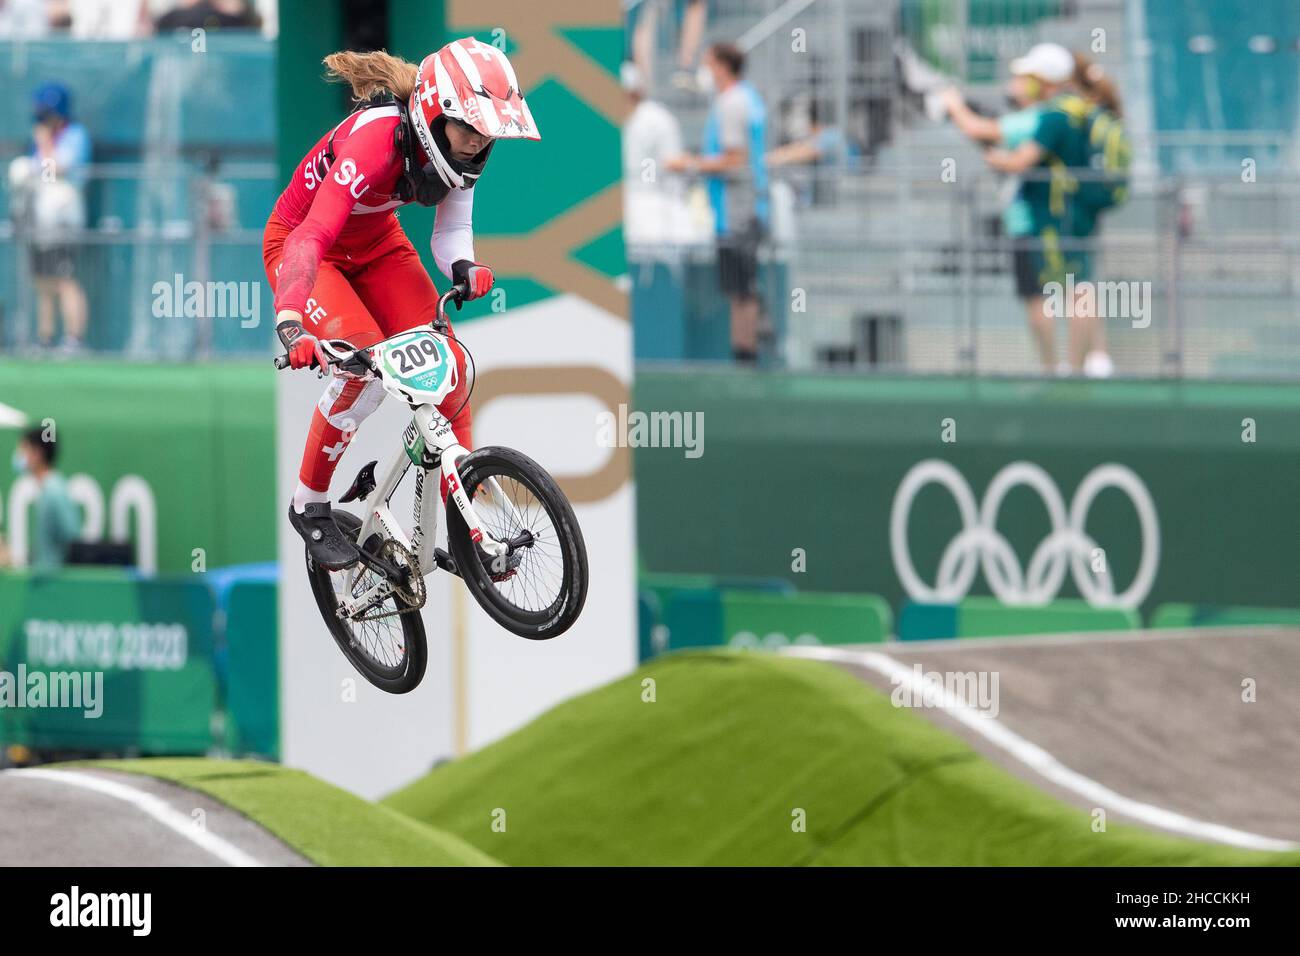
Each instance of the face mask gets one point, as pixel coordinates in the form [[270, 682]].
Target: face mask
[[704, 79], [19, 462]]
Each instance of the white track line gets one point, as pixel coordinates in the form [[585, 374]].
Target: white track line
[[1038, 759], [151, 805], [1083, 637]]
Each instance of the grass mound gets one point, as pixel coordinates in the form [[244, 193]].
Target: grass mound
[[325, 824], [715, 758]]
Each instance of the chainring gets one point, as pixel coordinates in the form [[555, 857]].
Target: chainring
[[413, 596]]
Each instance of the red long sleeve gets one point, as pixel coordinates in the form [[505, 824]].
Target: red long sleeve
[[364, 170]]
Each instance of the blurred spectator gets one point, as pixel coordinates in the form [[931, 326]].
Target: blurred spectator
[[818, 146], [56, 520], [734, 163], [23, 19], [60, 14], [108, 19], [48, 201], [652, 203], [209, 15], [821, 144], [642, 19], [1048, 230]]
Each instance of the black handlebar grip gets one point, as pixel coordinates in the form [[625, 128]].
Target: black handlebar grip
[[282, 361]]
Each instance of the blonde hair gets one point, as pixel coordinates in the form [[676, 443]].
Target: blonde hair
[[369, 73], [1096, 85]]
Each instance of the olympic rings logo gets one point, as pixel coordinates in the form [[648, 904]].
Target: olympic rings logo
[[1067, 547]]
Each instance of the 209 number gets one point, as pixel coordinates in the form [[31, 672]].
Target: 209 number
[[415, 356]]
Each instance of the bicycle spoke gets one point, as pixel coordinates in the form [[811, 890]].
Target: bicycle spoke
[[538, 580], [382, 639]]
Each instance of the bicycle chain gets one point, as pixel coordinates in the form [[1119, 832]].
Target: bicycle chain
[[413, 597]]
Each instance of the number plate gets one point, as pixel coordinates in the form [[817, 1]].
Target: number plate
[[419, 363]]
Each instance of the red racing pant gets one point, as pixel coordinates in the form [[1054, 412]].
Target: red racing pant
[[367, 290]]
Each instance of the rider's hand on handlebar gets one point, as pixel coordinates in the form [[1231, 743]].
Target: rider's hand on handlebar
[[476, 278], [303, 348]]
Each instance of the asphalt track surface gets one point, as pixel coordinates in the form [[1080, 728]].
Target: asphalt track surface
[[1155, 716], [126, 820]]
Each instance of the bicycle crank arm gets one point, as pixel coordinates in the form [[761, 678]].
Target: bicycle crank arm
[[445, 561], [391, 572]]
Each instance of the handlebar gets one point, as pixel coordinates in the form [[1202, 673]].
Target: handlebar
[[455, 294], [342, 352]]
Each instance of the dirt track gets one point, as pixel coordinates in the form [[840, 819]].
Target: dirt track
[[1155, 716]]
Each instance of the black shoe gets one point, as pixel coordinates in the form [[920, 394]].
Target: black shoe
[[328, 546]]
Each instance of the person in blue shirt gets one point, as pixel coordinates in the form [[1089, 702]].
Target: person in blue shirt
[[61, 152], [824, 146], [735, 167]]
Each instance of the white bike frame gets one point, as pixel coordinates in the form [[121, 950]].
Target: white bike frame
[[436, 432]]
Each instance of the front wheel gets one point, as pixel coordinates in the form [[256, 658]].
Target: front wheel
[[543, 586]]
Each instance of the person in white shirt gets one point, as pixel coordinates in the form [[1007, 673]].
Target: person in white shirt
[[652, 196]]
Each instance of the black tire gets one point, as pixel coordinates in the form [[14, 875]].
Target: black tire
[[558, 553], [396, 677]]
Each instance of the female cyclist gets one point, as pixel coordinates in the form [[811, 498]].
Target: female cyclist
[[340, 264]]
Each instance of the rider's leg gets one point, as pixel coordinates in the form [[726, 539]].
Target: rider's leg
[[334, 311], [345, 404], [400, 295]]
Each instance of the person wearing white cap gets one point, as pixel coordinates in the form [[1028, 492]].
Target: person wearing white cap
[[1044, 134], [1048, 62]]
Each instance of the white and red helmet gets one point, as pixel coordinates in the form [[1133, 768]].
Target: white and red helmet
[[473, 83]]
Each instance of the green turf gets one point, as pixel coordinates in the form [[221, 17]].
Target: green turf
[[715, 770], [327, 825]]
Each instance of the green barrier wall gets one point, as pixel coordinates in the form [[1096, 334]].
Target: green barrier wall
[[802, 472], [772, 621], [1192, 615], [252, 688], [202, 437], [986, 617], [150, 642], [754, 620]]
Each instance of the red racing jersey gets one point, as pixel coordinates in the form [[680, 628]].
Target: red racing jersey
[[349, 202]]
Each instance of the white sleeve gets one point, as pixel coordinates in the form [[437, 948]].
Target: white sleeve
[[672, 135], [453, 230]]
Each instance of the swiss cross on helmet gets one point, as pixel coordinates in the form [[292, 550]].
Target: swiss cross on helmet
[[471, 83]]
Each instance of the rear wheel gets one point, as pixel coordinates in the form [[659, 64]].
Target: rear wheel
[[545, 587], [388, 650]]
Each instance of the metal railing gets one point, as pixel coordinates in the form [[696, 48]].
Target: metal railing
[[894, 267], [1193, 278], [897, 270], [166, 259]]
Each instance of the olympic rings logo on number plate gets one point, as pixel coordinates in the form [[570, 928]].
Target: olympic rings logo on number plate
[[1067, 546]]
